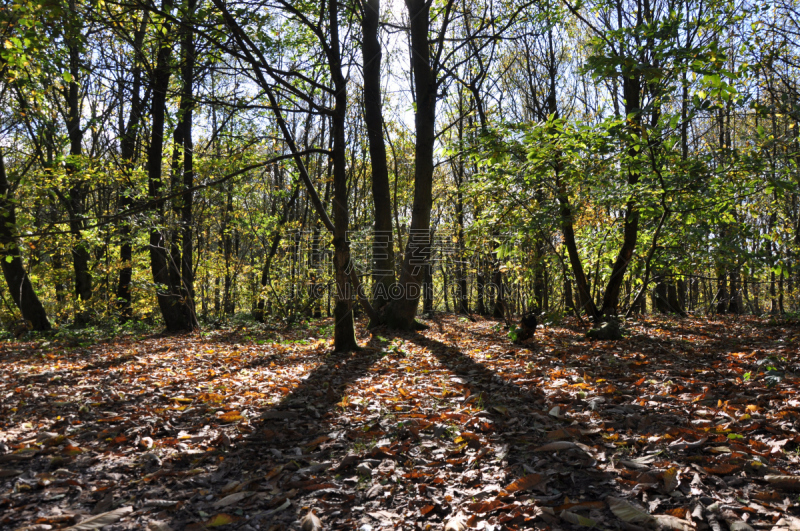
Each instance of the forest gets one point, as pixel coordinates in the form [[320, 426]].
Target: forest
[[411, 264], [183, 165]]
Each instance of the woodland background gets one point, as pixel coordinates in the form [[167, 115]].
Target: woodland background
[[184, 163]]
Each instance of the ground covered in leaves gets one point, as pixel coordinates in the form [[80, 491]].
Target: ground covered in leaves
[[685, 424]]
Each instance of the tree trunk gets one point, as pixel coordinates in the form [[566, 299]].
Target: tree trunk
[[14, 271], [273, 249], [660, 302], [77, 192], [128, 139], [344, 332], [673, 301], [631, 88], [427, 290], [383, 243], [401, 312], [175, 309], [187, 199], [735, 305], [722, 290], [480, 286], [569, 304]]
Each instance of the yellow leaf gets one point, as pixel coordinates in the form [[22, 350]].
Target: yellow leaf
[[219, 520], [182, 399], [232, 416]]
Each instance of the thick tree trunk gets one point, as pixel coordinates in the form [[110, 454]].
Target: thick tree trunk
[[19, 285], [660, 302], [383, 243], [175, 308], [401, 312]]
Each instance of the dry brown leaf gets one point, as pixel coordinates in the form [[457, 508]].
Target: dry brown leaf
[[667, 521], [784, 482], [232, 498], [671, 479], [101, 520], [311, 522], [577, 519], [555, 446], [628, 512], [787, 523], [526, 482], [722, 469]]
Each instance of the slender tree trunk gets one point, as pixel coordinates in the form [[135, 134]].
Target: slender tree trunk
[[631, 88], [344, 332], [128, 140], [227, 254], [273, 249], [383, 243], [722, 290], [735, 305], [187, 199], [569, 304], [77, 192]]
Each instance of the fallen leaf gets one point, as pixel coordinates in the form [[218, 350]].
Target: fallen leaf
[[577, 519], [231, 416], [232, 498], [628, 512], [668, 521], [555, 446], [311, 522], [456, 523], [101, 520], [787, 523], [784, 482], [671, 479], [219, 520], [526, 482]]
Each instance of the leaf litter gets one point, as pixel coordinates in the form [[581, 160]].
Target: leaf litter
[[685, 424]]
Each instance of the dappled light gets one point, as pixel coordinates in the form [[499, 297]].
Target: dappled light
[[253, 428]]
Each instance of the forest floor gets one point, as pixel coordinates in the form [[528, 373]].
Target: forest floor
[[684, 424]]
